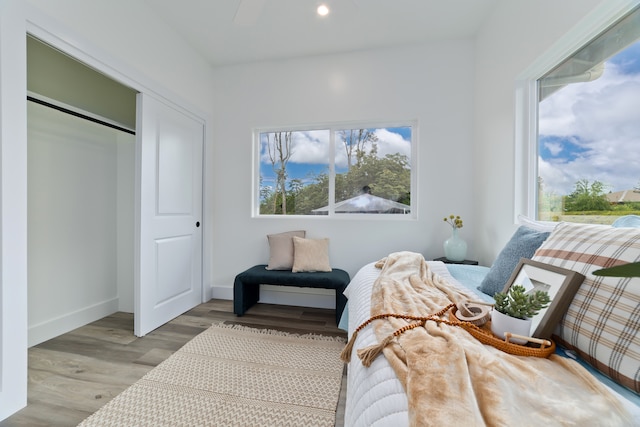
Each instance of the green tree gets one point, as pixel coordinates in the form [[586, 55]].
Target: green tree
[[587, 197], [280, 151], [355, 142], [389, 177]]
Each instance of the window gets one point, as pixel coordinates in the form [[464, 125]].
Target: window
[[337, 170], [588, 149]]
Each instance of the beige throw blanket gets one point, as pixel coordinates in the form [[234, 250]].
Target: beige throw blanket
[[452, 379]]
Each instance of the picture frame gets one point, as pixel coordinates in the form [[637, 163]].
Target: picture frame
[[561, 284]]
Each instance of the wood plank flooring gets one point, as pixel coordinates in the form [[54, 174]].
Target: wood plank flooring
[[73, 375]]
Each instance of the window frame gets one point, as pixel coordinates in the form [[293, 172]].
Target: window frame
[[333, 127], [526, 99]]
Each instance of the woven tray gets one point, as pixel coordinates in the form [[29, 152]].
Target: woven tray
[[485, 336]]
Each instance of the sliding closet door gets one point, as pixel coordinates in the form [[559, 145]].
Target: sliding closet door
[[169, 158]]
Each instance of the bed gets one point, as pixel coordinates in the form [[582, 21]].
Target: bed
[[376, 396]]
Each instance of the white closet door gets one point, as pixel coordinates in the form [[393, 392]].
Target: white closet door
[[169, 157]]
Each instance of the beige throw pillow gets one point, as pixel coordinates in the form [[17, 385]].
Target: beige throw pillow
[[281, 249], [310, 255], [601, 323]]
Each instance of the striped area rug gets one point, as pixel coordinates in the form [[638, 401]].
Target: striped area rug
[[232, 375]]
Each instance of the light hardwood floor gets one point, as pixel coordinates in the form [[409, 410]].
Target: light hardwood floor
[[73, 375]]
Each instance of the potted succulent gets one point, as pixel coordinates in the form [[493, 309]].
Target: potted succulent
[[513, 310]]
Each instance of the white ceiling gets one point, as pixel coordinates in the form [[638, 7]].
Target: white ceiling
[[236, 31]]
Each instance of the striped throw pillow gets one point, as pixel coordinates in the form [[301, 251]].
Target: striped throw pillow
[[603, 319]]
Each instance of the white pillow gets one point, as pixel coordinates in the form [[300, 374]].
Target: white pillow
[[281, 249], [601, 323], [310, 255], [545, 226]]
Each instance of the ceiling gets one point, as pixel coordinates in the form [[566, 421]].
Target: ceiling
[[239, 31]]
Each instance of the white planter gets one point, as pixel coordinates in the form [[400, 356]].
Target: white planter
[[501, 323]]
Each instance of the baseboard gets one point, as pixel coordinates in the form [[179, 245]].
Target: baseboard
[[52, 328], [286, 295]]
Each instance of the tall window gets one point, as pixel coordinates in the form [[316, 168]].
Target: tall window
[[589, 130], [336, 170]]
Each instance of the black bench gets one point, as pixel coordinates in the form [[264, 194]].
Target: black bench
[[246, 287]]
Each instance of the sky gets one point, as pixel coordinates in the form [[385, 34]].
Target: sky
[[311, 152], [592, 130]]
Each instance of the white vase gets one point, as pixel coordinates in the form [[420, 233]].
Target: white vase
[[455, 248], [501, 323]]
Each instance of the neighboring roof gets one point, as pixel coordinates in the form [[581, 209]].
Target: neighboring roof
[[367, 203], [624, 196]]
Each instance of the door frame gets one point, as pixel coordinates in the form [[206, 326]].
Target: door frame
[[16, 21]]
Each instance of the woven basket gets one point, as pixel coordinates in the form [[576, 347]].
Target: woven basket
[[484, 335]]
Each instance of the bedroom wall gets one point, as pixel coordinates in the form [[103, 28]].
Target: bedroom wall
[[516, 35], [80, 219], [431, 83], [146, 51]]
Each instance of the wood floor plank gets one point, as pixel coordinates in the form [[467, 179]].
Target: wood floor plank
[[75, 374], [117, 336]]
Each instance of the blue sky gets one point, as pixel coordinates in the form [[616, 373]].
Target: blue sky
[[592, 130], [311, 152]]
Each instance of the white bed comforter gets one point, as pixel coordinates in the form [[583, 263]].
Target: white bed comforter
[[375, 396]]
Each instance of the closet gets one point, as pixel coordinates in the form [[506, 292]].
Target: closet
[[81, 166]]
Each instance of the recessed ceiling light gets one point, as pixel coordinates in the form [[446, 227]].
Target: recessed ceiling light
[[323, 10]]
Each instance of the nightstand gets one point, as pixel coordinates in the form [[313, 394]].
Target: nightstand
[[448, 261]]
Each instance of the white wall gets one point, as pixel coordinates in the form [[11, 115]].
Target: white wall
[[77, 265], [125, 220], [13, 210], [431, 83], [134, 46], [119, 37], [518, 34]]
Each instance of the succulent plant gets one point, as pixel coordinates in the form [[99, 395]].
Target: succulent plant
[[516, 303]]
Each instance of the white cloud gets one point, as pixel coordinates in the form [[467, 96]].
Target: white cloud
[[554, 147], [312, 147], [306, 147], [392, 143], [604, 118]]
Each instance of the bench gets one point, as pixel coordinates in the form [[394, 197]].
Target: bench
[[246, 286]]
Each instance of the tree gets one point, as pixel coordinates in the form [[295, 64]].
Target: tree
[[388, 177], [280, 151], [355, 141], [587, 197]]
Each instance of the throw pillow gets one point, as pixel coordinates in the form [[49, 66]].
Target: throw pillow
[[522, 244], [281, 249], [310, 255], [627, 221], [536, 224], [601, 323]]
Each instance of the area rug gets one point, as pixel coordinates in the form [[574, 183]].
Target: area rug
[[232, 375]]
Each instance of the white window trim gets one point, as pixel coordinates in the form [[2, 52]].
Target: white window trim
[[332, 128], [526, 99]]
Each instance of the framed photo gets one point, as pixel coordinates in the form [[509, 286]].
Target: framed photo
[[561, 285]]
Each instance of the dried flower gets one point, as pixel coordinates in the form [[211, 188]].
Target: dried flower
[[454, 221]]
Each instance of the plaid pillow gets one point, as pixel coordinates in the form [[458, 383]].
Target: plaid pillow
[[603, 319]]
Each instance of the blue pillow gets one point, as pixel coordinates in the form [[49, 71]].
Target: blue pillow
[[523, 244], [627, 221]]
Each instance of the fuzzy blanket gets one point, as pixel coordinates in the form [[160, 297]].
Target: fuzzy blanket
[[451, 378]]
